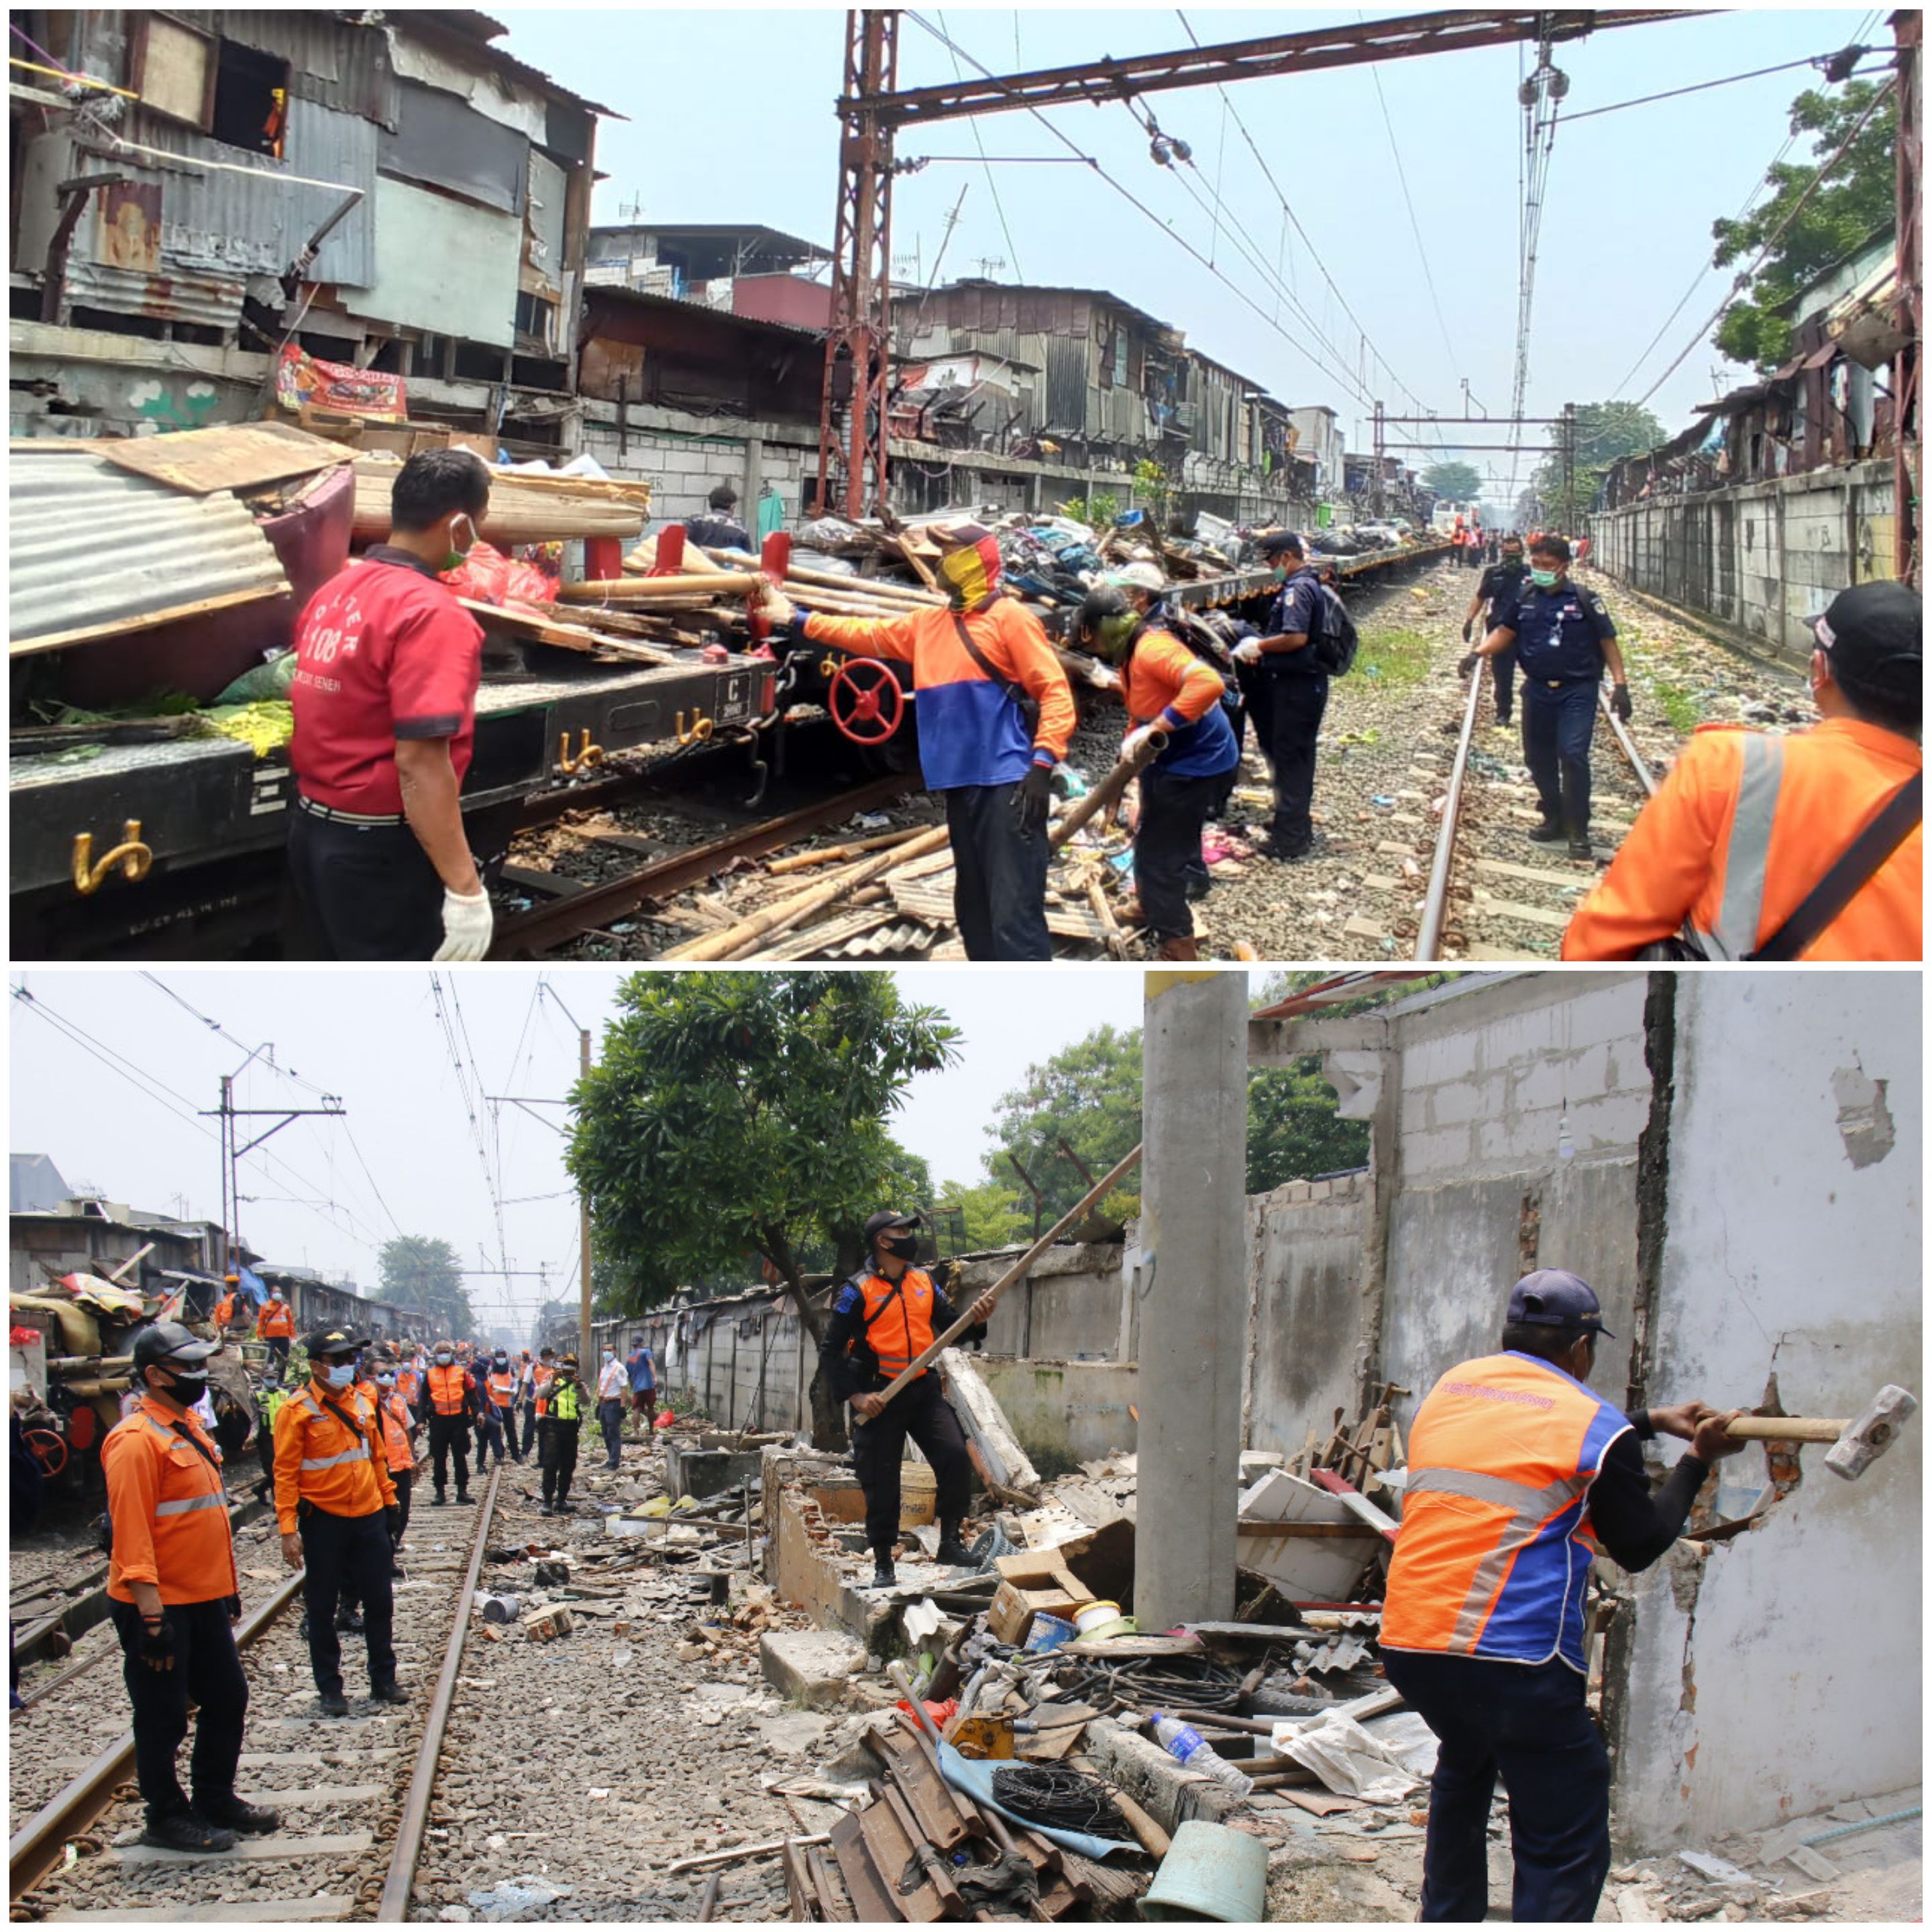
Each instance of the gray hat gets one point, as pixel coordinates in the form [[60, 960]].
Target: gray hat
[[1555, 1298]]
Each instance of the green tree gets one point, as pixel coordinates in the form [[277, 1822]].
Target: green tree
[[1854, 202], [1605, 433], [418, 1271], [1453, 482], [734, 1117], [1086, 1097], [989, 1214]]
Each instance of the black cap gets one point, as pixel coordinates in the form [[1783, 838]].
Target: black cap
[[333, 1342], [1555, 1298], [1270, 543], [170, 1342], [1873, 633], [878, 1224]]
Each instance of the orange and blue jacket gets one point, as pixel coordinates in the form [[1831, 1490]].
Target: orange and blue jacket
[[970, 730], [1490, 1560], [166, 1501], [1165, 684], [1743, 826]]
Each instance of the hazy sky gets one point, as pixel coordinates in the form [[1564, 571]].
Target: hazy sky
[[374, 1038], [731, 120]]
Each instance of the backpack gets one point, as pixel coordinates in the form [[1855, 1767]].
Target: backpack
[[1333, 650]]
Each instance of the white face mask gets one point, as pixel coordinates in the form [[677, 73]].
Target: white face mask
[[608, 1356], [339, 1375], [442, 1361]]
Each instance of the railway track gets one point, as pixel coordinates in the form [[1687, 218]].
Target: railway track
[[355, 1793]]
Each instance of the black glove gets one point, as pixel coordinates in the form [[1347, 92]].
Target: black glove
[[1620, 701], [157, 1644], [1469, 664], [1033, 799], [235, 1609], [393, 1517], [1468, 624]]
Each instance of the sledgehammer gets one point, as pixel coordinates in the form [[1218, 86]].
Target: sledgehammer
[[1856, 1445]]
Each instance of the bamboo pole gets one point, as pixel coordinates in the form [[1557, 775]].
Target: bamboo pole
[[728, 943], [1107, 792], [800, 862], [1092, 1198], [651, 590]]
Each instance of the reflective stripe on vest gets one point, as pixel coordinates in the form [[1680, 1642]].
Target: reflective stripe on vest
[[563, 1404], [898, 1327], [445, 1390], [1489, 1561], [503, 1390], [214, 1499], [1747, 851], [360, 1453]]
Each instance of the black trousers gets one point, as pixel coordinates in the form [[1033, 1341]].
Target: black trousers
[[610, 1417], [449, 1436], [1557, 725], [405, 1480], [529, 1426], [1167, 846], [1288, 722], [361, 892], [1503, 668], [489, 1437], [503, 1422], [1528, 1724], [556, 1451], [999, 892], [207, 1673], [278, 1351], [878, 1449], [347, 1557]]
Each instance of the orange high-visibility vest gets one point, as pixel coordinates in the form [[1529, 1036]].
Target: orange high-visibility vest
[[395, 1415], [541, 1381], [224, 1311], [407, 1383], [445, 1390], [277, 1318], [169, 1510], [320, 1460], [502, 1388], [898, 1326], [1489, 1561]]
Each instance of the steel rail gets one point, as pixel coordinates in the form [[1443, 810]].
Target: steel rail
[[1436, 902], [394, 1906], [1627, 746], [35, 1848], [545, 926]]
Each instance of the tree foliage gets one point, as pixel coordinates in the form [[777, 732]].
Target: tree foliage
[[1854, 202], [1454, 481], [1606, 432], [418, 1271], [738, 1117]]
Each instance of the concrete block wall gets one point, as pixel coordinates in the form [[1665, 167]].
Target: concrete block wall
[[684, 458], [1761, 557], [1784, 1673]]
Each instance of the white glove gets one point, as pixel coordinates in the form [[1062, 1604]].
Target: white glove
[[1249, 651], [772, 603], [1131, 744], [1101, 678], [467, 924]]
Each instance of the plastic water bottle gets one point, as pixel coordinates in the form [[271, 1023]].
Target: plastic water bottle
[[1184, 1742]]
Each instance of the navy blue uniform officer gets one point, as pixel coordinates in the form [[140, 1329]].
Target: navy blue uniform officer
[[1497, 588], [1286, 692], [1565, 641]]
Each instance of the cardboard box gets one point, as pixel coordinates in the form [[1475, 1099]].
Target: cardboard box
[[1042, 1586]]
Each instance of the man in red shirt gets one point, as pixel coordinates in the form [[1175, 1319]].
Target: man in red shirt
[[385, 695]]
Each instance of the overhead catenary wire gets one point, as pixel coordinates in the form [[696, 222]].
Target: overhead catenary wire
[[999, 209], [1703, 86]]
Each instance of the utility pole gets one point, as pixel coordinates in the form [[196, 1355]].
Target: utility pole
[[584, 1228], [228, 1113], [1194, 1295]]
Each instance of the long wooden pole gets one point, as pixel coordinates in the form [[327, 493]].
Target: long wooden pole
[[1093, 1195], [1106, 794]]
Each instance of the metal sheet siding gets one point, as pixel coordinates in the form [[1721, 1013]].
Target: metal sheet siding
[[176, 294], [1066, 359], [443, 265], [544, 216], [332, 61], [90, 545]]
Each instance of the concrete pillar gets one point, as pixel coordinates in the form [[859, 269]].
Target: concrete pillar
[[1193, 1328], [753, 486]]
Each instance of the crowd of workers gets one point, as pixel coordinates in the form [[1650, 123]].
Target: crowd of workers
[[389, 663], [339, 1450]]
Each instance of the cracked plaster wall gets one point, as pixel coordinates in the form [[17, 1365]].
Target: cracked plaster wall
[[1781, 1671]]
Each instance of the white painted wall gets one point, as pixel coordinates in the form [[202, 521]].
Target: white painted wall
[[1788, 1676]]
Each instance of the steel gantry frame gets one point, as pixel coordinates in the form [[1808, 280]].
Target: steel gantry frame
[[852, 470], [1564, 447]]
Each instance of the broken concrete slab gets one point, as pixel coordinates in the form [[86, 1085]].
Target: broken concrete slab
[[794, 1734], [810, 1668], [1006, 1463], [708, 1472]]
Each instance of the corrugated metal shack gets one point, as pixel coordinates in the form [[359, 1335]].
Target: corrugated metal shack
[[155, 296]]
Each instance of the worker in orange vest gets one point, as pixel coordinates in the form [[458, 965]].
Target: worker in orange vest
[[450, 1391], [276, 1326], [399, 1434], [224, 1308], [174, 1594], [499, 1400], [884, 1317], [1512, 1460], [337, 1511], [1806, 847], [527, 1399], [542, 1375]]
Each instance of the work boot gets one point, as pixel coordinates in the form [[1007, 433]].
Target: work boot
[[953, 1554], [333, 1704], [1579, 845], [1548, 833], [545, 1509], [183, 1831], [462, 1496], [391, 1693], [437, 1501], [884, 1576], [1178, 947], [349, 1618], [237, 1814]]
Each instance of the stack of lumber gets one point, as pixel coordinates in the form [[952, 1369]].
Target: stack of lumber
[[525, 506]]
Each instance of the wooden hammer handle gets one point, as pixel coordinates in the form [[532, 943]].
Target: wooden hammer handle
[[1785, 1429]]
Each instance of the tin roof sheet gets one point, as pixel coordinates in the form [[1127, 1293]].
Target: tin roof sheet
[[93, 550]]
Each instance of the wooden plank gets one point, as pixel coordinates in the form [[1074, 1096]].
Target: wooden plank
[[534, 879], [1008, 1463], [274, 1848], [234, 456], [121, 627], [831, 1889], [873, 1904], [250, 1911], [799, 1889]]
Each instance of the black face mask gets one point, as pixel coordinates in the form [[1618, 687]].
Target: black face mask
[[186, 1386], [901, 1247]]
